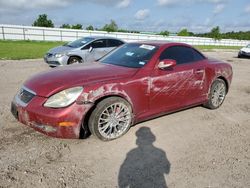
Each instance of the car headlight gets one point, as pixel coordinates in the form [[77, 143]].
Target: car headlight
[[63, 98], [59, 55]]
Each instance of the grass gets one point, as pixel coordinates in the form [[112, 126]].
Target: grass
[[217, 47], [17, 50]]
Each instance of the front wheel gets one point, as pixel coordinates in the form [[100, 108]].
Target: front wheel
[[111, 118], [217, 94], [74, 60]]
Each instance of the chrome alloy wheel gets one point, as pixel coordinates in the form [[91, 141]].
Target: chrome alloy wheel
[[114, 120], [218, 94]]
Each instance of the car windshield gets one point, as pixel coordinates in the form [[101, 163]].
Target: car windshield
[[131, 55], [248, 46], [80, 42]]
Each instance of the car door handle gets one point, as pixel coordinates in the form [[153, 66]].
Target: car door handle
[[199, 71]]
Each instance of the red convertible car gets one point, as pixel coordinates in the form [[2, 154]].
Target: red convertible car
[[133, 83]]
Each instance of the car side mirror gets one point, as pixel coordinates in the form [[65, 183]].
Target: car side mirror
[[166, 63], [90, 49]]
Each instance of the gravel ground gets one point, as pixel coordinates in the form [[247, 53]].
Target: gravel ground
[[192, 148]]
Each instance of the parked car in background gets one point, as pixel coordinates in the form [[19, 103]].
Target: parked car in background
[[244, 52], [133, 83], [86, 49]]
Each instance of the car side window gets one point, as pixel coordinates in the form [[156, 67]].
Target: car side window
[[86, 47], [99, 44], [197, 55], [181, 54], [102, 43], [114, 43]]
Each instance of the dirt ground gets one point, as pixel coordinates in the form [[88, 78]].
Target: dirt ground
[[192, 148]]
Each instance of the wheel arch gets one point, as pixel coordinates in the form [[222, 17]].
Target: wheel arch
[[113, 95], [97, 101], [72, 55], [226, 82]]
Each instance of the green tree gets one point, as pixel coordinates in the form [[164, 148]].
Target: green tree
[[66, 26], [215, 33], [164, 33], [183, 32], [111, 27], [90, 28], [191, 33], [127, 31], [43, 21], [77, 26]]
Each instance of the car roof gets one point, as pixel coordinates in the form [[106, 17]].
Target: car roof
[[160, 43]]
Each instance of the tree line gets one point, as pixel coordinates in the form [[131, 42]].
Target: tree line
[[44, 21], [215, 33]]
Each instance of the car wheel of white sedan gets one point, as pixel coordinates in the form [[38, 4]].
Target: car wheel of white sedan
[[111, 118], [74, 60]]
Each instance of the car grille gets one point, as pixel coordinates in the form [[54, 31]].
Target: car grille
[[245, 53], [25, 95]]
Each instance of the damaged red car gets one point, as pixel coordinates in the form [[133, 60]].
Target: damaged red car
[[133, 83]]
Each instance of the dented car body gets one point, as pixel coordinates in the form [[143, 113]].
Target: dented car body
[[136, 82]]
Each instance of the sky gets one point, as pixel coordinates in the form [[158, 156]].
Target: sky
[[198, 16]]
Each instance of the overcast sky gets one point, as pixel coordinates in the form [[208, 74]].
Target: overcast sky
[[144, 15]]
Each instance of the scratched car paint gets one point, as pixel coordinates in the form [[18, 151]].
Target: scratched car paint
[[135, 82]]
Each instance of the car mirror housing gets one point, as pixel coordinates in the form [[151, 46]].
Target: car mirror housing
[[166, 63]]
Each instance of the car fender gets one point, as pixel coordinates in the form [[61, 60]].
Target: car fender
[[97, 93], [222, 71], [77, 53]]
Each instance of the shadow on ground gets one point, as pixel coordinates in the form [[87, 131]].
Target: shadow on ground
[[146, 165]]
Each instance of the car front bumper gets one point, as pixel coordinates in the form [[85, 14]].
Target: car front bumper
[[51, 60], [244, 54], [60, 123]]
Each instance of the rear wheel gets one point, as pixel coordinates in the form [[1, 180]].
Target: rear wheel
[[111, 118], [74, 60], [217, 94]]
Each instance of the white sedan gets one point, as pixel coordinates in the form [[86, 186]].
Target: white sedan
[[244, 52]]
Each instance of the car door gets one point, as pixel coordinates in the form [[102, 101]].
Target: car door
[[178, 86], [96, 50]]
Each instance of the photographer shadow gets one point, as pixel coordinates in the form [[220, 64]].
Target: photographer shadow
[[146, 165]]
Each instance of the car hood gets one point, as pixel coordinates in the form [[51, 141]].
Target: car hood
[[50, 82], [247, 50], [60, 49]]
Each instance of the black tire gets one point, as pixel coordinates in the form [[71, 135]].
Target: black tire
[[99, 112], [84, 131], [74, 59], [239, 56], [213, 94]]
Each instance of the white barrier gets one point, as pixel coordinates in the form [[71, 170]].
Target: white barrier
[[17, 32]]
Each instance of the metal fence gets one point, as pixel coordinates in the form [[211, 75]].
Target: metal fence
[[16, 32]]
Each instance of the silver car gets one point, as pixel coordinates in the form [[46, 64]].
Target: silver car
[[86, 49], [244, 52]]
